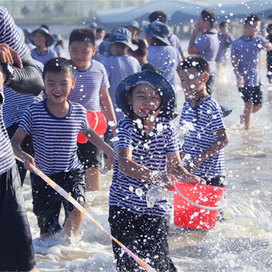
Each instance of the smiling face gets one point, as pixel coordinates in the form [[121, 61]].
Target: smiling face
[[81, 54], [193, 82], [145, 101], [58, 86]]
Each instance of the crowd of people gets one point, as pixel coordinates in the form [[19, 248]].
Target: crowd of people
[[133, 82]]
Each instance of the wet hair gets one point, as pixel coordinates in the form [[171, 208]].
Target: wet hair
[[150, 67], [208, 15], [58, 65], [158, 16], [82, 35], [252, 18], [223, 24], [142, 48], [197, 62]]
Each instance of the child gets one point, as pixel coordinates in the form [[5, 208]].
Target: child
[[141, 53], [119, 65], [160, 54], [59, 44], [42, 39], [245, 53], [134, 28], [99, 36], [225, 40], [201, 119], [91, 91], [269, 54], [54, 124], [146, 155]]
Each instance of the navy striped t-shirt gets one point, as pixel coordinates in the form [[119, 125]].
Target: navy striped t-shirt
[[10, 35], [129, 192], [88, 85], [54, 139], [199, 126]]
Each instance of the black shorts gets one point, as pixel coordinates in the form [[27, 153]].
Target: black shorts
[[144, 235], [252, 94], [47, 202], [217, 181], [16, 249], [90, 155]]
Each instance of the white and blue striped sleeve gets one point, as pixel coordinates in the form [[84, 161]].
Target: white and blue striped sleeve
[[26, 122], [173, 144]]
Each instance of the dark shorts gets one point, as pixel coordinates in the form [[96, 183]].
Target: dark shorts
[[144, 235], [16, 249], [90, 155], [47, 202], [252, 94], [209, 84], [269, 64], [217, 181], [26, 145]]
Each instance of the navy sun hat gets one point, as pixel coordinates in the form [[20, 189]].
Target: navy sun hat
[[158, 30], [134, 24], [49, 38], [56, 37], [93, 24], [122, 35], [157, 82]]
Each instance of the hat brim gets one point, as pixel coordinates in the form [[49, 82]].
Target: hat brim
[[158, 82], [151, 33], [49, 38], [132, 46]]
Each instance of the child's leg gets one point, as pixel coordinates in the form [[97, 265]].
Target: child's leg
[[91, 157], [75, 184], [247, 114]]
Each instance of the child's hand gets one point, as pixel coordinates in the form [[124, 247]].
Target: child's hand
[[28, 160], [240, 81], [195, 180]]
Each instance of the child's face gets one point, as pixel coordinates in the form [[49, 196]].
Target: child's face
[[58, 86], [39, 40], [145, 101], [192, 81], [251, 30], [81, 54], [224, 29]]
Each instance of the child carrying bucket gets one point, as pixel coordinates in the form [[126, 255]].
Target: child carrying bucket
[[146, 155], [205, 134], [54, 124]]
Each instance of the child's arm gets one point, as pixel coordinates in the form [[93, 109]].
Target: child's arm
[[131, 168], [239, 78], [221, 142], [94, 138], [107, 108], [16, 142], [174, 167]]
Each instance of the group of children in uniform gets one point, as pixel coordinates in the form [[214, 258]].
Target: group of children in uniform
[[147, 150]]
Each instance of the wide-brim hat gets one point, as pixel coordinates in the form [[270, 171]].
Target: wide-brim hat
[[158, 30], [49, 38], [134, 24], [157, 82], [122, 35]]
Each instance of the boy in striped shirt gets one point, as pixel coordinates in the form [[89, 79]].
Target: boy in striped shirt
[[146, 155], [54, 124], [205, 135]]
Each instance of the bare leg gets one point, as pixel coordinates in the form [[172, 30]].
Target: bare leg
[[93, 179], [256, 108], [73, 222], [34, 269], [247, 114]]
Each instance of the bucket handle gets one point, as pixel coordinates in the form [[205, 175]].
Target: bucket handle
[[202, 206]]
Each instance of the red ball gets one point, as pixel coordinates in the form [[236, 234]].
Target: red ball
[[97, 122]]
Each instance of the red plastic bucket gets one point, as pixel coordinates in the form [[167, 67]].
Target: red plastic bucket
[[97, 122], [200, 209]]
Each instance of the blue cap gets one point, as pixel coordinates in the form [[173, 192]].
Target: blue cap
[[157, 82], [93, 24], [158, 30], [122, 35]]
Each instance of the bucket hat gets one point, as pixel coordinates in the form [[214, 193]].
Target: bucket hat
[[49, 38], [122, 35], [158, 30], [134, 24], [157, 82]]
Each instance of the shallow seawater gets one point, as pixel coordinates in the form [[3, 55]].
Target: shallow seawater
[[241, 243]]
